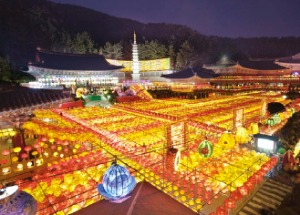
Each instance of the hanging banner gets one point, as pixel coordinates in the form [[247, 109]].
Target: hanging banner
[[176, 134], [238, 118]]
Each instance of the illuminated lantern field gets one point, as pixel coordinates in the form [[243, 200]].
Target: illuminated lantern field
[[74, 150]]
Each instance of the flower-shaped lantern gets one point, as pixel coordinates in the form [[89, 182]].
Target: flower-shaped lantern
[[117, 183]]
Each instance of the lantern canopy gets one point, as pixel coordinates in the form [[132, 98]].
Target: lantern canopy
[[117, 183]]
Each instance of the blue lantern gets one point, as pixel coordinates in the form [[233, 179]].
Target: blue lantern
[[15, 202], [117, 183]]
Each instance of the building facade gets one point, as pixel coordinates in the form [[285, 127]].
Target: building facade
[[53, 70]]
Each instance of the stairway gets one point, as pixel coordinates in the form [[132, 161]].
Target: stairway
[[269, 197]]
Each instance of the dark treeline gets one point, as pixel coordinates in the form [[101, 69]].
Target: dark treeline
[[28, 24]]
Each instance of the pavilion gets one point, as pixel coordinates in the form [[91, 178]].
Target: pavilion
[[54, 69]]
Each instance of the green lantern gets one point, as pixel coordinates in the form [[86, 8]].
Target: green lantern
[[205, 148], [270, 122], [276, 119]]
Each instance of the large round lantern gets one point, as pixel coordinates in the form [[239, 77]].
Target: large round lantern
[[117, 183], [226, 140], [205, 148], [13, 201], [241, 135]]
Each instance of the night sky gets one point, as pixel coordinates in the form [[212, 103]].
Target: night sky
[[231, 18]]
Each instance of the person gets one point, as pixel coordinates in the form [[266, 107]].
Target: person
[[288, 161]]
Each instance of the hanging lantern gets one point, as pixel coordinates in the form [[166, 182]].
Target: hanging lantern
[[270, 122], [253, 128], [13, 201], [276, 119], [243, 190], [226, 140], [205, 148], [230, 203], [117, 183], [241, 135], [5, 152]]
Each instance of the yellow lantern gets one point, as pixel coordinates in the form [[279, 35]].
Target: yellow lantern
[[241, 135], [253, 128], [17, 149], [226, 140]]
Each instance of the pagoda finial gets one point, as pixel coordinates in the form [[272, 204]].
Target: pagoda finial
[[134, 37]]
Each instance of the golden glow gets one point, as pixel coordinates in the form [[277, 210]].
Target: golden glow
[[144, 65]]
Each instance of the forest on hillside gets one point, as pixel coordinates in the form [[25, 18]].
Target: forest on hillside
[[68, 28]]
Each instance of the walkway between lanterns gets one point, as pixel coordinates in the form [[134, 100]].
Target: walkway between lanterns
[[267, 199]]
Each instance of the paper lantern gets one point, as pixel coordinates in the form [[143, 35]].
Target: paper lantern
[[230, 203], [241, 135], [27, 149], [253, 128], [17, 149], [13, 201], [270, 122], [205, 148], [24, 155], [243, 190], [5, 152], [117, 183], [226, 140]]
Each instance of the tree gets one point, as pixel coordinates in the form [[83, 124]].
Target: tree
[[275, 107], [152, 50], [5, 69], [82, 43], [186, 57], [289, 134], [112, 51]]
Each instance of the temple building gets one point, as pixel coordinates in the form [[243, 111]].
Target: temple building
[[190, 79], [254, 74], [53, 70], [292, 63]]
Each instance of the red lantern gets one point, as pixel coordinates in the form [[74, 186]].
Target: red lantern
[[230, 203], [249, 185], [221, 211], [243, 190]]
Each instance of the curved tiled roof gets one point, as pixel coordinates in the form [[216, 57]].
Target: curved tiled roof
[[68, 61], [261, 65], [290, 60], [191, 72]]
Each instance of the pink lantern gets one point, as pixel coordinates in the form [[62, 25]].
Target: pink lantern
[[27, 149], [65, 143], [24, 155], [44, 138], [5, 152], [37, 145]]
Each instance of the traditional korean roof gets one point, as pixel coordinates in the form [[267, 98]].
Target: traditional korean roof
[[191, 72], [261, 65], [295, 59], [68, 61]]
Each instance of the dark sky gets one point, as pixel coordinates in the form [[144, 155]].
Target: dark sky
[[231, 18]]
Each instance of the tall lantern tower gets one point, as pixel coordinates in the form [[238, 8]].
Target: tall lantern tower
[[135, 60]]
